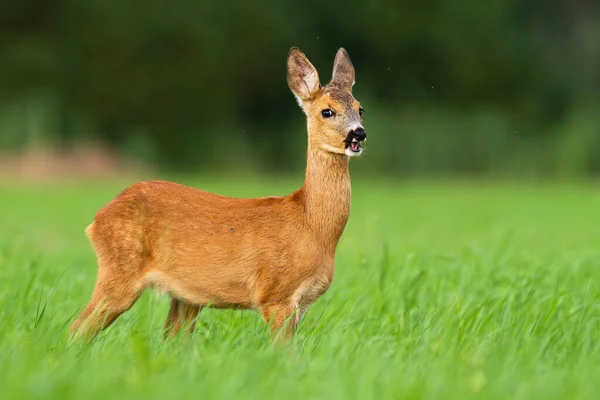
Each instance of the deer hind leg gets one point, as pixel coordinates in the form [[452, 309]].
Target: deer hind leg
[[111, 298], [181, 315], [118, 286]]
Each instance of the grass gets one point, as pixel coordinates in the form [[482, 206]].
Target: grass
[[442, 291]]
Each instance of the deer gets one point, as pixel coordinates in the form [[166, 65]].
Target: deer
[[274, 255]]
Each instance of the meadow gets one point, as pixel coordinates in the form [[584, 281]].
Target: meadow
[[443, 290]]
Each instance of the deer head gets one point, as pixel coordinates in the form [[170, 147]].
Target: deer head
[[334, 116]]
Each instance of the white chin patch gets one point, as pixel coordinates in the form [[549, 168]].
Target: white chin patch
[[351, 153]]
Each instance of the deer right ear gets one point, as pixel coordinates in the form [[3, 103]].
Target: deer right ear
[[343, 71], [302, 76]]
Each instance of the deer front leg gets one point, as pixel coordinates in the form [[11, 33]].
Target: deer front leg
[[283, 319]]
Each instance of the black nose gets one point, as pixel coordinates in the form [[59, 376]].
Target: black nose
[[359, 134]]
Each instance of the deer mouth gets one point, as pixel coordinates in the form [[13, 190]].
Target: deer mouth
[[352, 143], [354, 146]]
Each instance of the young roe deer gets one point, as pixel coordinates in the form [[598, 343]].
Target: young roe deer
[[272, 254]]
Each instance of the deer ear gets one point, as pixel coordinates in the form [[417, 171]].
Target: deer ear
[[343, 71], [302, 76]]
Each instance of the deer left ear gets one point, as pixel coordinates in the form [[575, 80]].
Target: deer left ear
[[302, 78], [343, 71]]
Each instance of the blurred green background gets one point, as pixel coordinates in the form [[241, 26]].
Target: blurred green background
[[495, 88]]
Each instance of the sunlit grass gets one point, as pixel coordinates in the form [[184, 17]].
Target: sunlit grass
[[441, 291]]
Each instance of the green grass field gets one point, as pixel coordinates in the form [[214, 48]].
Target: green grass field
[[442, 291]]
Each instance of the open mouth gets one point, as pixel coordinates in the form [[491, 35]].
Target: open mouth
[[353, 141], [354, 145]]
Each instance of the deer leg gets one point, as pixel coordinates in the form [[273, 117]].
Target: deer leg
[[111, 298], [181, 315], [283, 319]]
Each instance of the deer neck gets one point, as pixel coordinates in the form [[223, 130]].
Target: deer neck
[[326, 194]]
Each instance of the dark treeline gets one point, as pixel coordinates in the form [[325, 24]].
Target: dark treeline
[[498, 86]]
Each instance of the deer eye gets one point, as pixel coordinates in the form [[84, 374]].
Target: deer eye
[[328, 113], [361, 111]]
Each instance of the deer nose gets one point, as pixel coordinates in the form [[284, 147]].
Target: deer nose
[[359, 134]]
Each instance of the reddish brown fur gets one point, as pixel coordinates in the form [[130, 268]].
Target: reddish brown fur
[[272, 254]]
